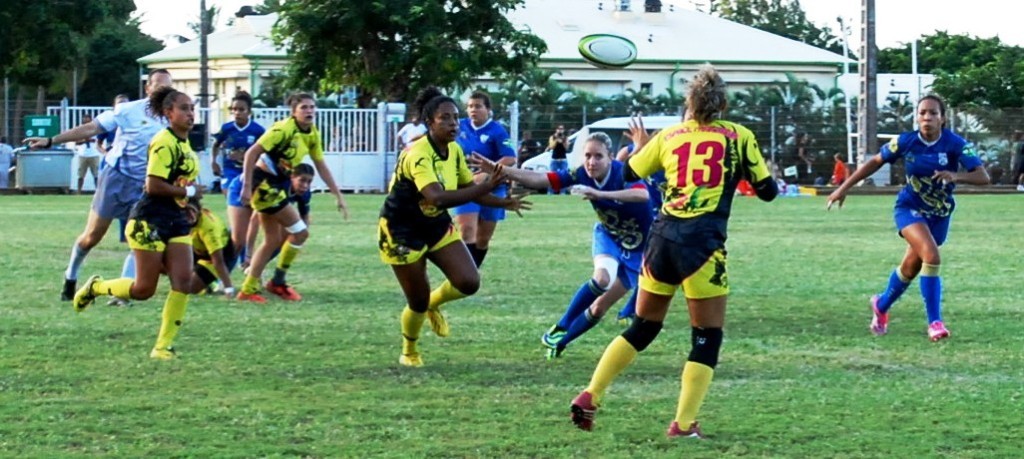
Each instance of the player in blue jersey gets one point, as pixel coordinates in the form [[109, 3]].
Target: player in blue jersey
[[478, 133], [656, 185], [625, 215], [234, 139], [933, 157]]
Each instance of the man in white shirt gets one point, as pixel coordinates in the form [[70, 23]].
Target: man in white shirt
[[121, 183], [88, 158], [413, 130]]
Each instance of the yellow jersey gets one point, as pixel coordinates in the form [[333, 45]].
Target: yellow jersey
[[703, 165], [420, 164], [287, 145], [209, 235], [170, 158]]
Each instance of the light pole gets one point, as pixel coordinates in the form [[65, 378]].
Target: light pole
[[846, 94]]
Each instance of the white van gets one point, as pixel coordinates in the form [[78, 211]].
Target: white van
[[614, 127]]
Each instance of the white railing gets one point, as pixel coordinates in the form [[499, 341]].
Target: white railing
[[359, 144]]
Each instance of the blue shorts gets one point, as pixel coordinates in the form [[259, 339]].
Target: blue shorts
[[487, 214], [629, 260], [938, 226], [234, 188], [116, 194]]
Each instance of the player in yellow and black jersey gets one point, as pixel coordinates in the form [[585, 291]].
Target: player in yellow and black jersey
[[430, 177], [212, 250], [704, 158], [267, 172], [158, 228]]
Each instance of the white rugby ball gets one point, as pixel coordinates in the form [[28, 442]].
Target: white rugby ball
[[607, 51]]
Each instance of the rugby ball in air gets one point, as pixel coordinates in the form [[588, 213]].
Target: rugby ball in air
[[607, 51]]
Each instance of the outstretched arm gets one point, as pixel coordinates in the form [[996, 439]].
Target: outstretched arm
[[81, 132], [529, 179], [864, 171]]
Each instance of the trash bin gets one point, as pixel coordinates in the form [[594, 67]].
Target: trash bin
[[50, 168]]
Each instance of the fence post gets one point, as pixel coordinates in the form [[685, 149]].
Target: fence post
[[513, 121], [773, 143]]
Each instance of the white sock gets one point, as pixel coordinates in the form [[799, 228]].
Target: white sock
[[128, 268], [78, 255]]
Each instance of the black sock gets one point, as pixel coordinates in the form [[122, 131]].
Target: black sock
[[478, 255], [279, 277]]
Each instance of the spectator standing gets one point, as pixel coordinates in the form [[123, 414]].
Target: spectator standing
[[412, 130], [558, 143], [1018, 161], [88, 158], [839, 172], [6, 159]]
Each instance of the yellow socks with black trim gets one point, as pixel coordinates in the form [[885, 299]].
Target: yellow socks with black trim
[[616, 358], [444, 293], [121, 288], [412, 324], [696, 379], [251, 284], [174, 312], [284, 261]]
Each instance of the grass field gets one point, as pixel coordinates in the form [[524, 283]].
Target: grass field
[[800, 376]]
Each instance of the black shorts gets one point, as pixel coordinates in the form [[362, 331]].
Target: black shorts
[[675, 251]]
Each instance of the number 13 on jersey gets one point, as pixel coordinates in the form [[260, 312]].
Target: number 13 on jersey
[[700, 165]]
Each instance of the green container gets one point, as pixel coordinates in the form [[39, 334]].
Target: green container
[[42, 126]]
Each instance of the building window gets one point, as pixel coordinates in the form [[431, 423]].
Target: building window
[[647, 88]]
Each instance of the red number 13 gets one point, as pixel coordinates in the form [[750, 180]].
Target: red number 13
[[708, 171]]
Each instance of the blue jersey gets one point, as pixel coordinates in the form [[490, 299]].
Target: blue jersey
[[490, 140], [231, 138], [929, 197], [627, 222]]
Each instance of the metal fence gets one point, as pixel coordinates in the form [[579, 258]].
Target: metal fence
[[370, 132]]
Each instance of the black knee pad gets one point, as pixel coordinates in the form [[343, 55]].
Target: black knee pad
[[705, 345], [642, 333]]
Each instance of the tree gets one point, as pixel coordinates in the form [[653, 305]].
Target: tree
[[390, 48], [780, 17], [110, 67]]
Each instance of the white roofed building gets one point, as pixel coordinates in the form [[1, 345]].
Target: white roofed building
[[671, 44], [241, 56]]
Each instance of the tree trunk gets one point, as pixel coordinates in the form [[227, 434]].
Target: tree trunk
[[17, 132], [40, 100]]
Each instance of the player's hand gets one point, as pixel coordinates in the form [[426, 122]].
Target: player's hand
[[637, 133], [342, 206], [517, 204], [229, 293], [36, 143], [585, 192], [246, 195], [215, 167], [497, 176], [836, 197], [480, 162], [945, 176]]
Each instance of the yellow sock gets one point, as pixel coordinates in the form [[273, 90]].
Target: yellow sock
[[251, 285], [444, 293], [121, 288], [287, 255], [616, 358], [412, 323], [174, 312], [696, 378]]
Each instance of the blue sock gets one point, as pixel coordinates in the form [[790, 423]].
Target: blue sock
[[931, 291], [630, 308], [581, 325], [892, 292], [77, 258], [128, 268], [586, 295]]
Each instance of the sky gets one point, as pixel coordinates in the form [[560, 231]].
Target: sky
[[896, 21]]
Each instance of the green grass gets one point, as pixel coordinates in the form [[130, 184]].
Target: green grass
[[800, 376]]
